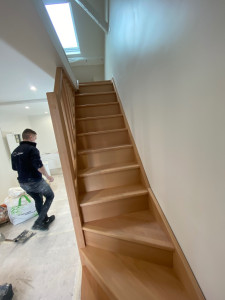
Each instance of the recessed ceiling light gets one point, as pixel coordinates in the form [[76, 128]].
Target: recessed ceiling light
[[27, 107], [33, 88], [46, 112]]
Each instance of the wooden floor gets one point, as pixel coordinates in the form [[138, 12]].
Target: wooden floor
[[129, 253]]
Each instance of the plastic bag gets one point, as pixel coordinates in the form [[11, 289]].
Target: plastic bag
[[20, 208], [16, 192]]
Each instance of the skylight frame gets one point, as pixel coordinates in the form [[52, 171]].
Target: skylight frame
[[68, 50]]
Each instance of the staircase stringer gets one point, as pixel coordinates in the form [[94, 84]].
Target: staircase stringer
[[62, 109], [180, 263]]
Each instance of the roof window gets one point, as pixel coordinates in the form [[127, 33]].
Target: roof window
[[62, 20]]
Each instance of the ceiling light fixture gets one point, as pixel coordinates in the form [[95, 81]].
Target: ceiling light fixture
[[46, 112], [27, 107], [33, 88]]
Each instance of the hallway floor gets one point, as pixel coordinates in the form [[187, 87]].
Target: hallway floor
[[47, 266]]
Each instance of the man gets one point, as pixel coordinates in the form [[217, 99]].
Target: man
[[26, 161]]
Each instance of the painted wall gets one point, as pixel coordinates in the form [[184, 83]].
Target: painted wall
[[167, 58], [90, 36], [16, 123], [8, 124], [46, 142], [89, 73]]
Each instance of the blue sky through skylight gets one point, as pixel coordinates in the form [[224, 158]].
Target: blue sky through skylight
[[60, 15]]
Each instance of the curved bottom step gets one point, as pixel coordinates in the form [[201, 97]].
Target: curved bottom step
[[126, 278]]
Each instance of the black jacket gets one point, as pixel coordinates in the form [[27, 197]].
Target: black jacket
[[26, 161]]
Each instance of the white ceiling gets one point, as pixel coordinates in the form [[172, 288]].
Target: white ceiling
[[18, 74], [28, 57], [40, 107]]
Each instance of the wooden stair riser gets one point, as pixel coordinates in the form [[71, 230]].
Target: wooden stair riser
[[100, 124], [109, 180], [90, 288], [114, 208], [103, 140], [95, 98], [97, 159], [96, 111], [98, 278], [136, 250], [126, 278], [95, 88]]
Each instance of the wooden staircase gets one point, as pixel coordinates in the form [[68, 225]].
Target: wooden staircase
[[128, 250]]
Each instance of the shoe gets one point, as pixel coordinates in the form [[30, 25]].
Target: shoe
[[42, 227], [49, 220]]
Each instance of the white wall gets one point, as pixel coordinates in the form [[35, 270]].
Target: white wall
[[46, 142], [89, 73], [16, 123], [8, 124], [167, 58], [90, 36]]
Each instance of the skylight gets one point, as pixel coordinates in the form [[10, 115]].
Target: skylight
[[61, 17]]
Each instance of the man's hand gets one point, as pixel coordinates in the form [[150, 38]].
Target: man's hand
[[43, 171], [50, 178]]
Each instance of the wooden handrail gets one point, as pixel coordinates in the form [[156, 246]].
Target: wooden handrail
[[62, 109]]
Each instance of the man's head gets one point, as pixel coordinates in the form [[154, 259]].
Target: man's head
[[29, 135]]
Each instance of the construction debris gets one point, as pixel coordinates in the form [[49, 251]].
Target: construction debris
[[21, 238], [6, 292]]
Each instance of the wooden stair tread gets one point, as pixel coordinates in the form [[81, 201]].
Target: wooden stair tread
[[95, 94], [104, 149], [104, 82], [139, 227], [102, 132], [127, 278], [111, 194], [107, 169], [99, 117], [97, 104]]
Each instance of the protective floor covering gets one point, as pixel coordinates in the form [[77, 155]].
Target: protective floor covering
[[48, 265]]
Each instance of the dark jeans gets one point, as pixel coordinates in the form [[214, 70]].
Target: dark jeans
[[38, 189]]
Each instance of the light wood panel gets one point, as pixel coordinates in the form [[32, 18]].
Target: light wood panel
[[93, 88], [121, 192], [135, 234], [90, 289], [138, 227], [102, 139], [113, 178], [131, 279], [83, 111], [124, 247], [93, 98], [100, 123], [105, 156], [112, 208], [107, 169], [62, 109], [67, 164]]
